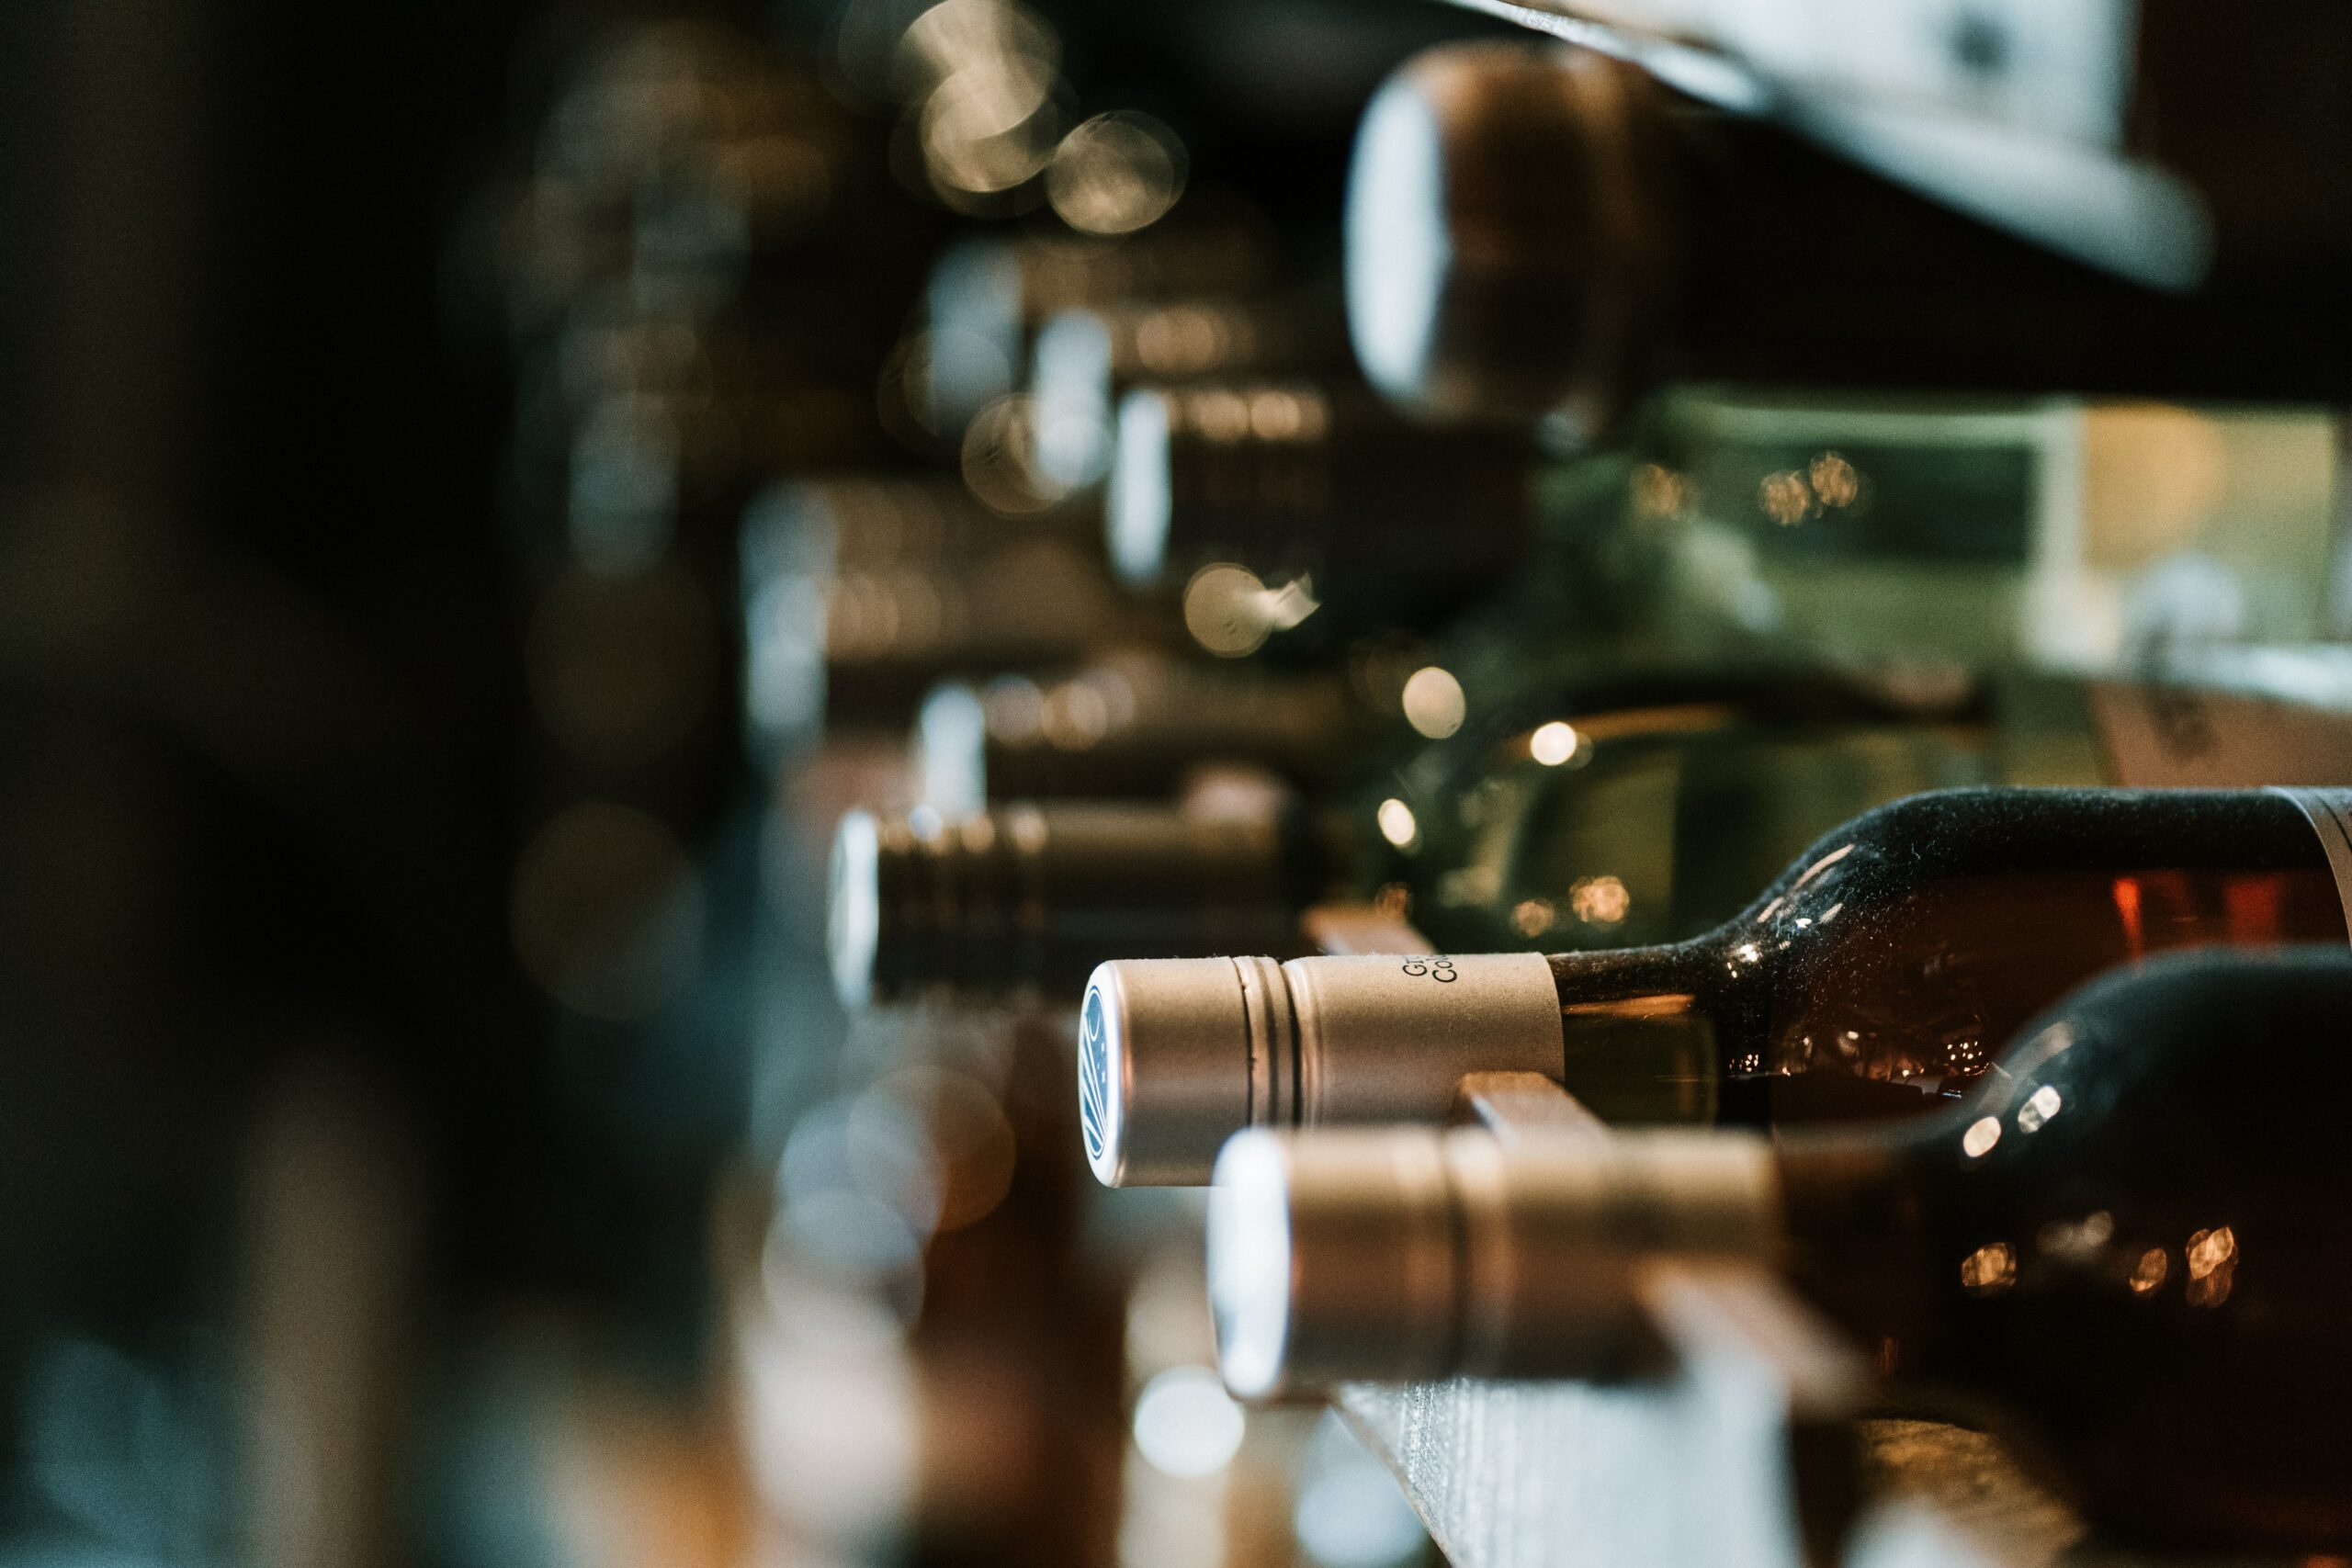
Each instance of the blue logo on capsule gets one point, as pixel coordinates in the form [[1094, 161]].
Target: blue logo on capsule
[[1094, 1078]]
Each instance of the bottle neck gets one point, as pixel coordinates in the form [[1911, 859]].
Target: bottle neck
[[1855, 1242], [1643, 1030]]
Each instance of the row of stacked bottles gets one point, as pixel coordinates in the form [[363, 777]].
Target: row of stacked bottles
[[1697, 621], [821, 345], [1193, 705]]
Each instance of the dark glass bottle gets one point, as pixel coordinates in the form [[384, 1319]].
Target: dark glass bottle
[[2130, 1237], [1648, 820], [1088, 358], [858, 595], [1390, 523], [1668, 244], [1028, 898], [1881, 975], [1132, 726]]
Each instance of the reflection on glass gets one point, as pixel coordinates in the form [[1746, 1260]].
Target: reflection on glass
[[1990, 1268], [1115, 172], [1434, 704]]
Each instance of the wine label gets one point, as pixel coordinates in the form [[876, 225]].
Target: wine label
[[2159, 735], [2330, 813]]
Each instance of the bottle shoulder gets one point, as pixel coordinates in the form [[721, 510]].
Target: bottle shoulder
[[1985, 830]]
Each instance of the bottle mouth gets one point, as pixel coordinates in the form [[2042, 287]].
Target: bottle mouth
[[1074, 371], [1474, 293], [1140, 505], [951, 750], [852, 908], [1399, 248], [1249, 1263]]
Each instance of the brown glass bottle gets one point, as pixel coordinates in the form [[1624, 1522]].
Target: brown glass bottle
[[1088, 358], [1391, 522], [859, 595], [2132, 1238], [1887, 968], [1133, 726], [1027, 898], [1881, 975], [2129, 1239], [1669, 243]]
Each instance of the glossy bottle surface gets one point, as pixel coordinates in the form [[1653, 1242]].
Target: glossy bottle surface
[[1654, 824], [1892, 963], [2135, 1237]]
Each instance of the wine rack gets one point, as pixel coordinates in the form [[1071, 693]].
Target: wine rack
[[1236, 783]]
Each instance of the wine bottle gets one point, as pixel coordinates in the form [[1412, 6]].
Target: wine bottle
[[987, 297], [2128, 1237], [1654, 821], [1667, 242], [1393, 523], [1130, 726], [1997, 533], [1628, 811], [860, 594], [1088, 358], [1031, 897], [1879, 976]]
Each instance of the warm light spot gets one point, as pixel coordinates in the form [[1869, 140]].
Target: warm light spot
[[1184, 340], [1989, 1269], [1013, 708], [2036, 1112], [1397, 824], [1393, 901], [1600, 901], [2127, 909], [1835, 480], [1553, 744], [1532, 916], [2212, 1265], [1076, 715], [999, 459], [1276, 415], [2208, 1250], [1230, 612], [2149, 1273], [1220, 415], [1982, 1135], [1434, 705], [1824, 864], [1115, 173], [1658, 492], [1786, 498]]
